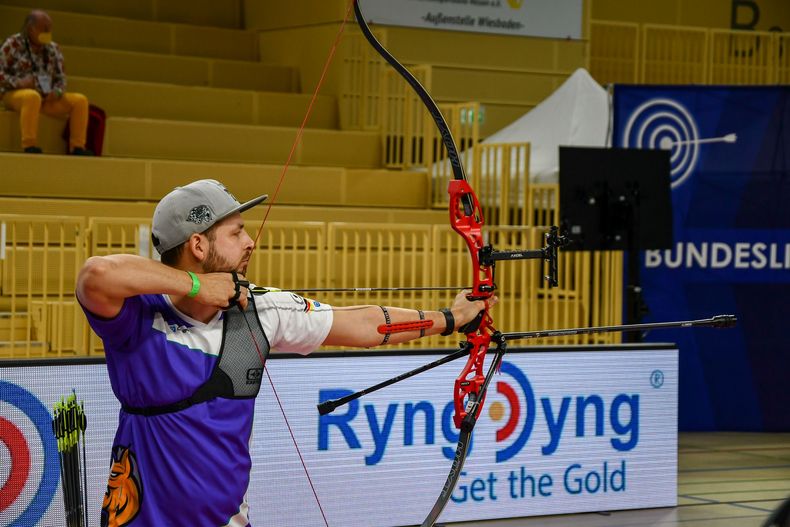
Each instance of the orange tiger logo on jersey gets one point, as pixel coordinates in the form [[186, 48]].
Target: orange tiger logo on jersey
[[124, 490]]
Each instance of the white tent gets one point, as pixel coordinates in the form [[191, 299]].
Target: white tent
[[576, 114]]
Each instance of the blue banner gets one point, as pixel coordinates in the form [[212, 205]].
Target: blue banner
[[730, 152]]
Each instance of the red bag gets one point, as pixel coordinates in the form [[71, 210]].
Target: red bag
[[94, 139]]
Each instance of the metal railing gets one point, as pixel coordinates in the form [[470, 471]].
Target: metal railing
[[674, 55], [39, 259], [362, 68], [41, 255], [614, 51], [744, 57], [403, 119], [664, 54]]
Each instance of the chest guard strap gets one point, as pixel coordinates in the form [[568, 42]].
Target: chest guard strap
[[238, 371]]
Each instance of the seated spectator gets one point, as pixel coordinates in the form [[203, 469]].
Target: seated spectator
[[32, 81]]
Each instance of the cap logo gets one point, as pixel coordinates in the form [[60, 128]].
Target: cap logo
[[199, 215]]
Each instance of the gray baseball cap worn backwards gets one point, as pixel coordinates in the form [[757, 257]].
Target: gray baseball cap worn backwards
[[191, 209]]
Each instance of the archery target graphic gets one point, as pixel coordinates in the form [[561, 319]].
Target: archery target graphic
[[519, 407], [667, 125], [28, 456]]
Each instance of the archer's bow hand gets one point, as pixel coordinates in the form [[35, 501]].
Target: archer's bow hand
[[468, 313]]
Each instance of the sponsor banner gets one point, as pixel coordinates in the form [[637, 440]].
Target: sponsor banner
[[561, 432], [731, 252], [30, 485], [536, 18]]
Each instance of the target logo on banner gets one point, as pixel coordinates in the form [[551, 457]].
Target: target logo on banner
[[29, 467], [518, 424], [667, 125]]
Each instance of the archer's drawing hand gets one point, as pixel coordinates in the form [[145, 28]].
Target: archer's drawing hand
[[218, 290]]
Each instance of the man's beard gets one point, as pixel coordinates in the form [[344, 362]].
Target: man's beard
[[216, 263]]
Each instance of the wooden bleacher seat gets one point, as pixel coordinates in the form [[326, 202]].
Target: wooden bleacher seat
[[156, 100], [220, 13], [109, 32], [69, 177], [177, 69]]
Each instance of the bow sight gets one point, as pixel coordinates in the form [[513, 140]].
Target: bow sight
[[549, 254], [466, 219]]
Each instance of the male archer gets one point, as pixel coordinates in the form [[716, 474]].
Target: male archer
[[181, 337]]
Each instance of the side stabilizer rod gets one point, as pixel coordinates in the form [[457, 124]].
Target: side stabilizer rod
[[330, 405]]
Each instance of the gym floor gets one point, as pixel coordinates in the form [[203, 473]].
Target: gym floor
[[725, 479]]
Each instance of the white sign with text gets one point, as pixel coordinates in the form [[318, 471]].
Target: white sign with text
[[561, 432], [534, 18]]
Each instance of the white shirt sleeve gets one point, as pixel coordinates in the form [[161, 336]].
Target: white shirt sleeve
[[293, 324]]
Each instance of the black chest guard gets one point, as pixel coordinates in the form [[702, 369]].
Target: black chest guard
[[239, 368]]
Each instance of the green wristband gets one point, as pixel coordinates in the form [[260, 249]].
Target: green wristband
[[195, 285]]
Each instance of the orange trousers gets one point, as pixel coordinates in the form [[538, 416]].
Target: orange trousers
[[30, 104]]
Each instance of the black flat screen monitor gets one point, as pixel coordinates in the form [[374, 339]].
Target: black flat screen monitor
[[615, 198]]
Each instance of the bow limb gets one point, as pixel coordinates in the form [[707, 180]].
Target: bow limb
[[466, 219], [427, 100]]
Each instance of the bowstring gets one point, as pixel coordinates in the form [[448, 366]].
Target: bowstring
[[295, 144], [282, 410], [304, 121]]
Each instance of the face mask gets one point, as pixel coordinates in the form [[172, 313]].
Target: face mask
[[45, 38]]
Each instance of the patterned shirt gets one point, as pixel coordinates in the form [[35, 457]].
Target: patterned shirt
[[18, 60], [190, 467]]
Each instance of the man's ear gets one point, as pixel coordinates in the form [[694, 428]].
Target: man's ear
[[197, 245]]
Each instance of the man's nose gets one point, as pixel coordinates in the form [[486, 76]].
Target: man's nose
[[248, 242]]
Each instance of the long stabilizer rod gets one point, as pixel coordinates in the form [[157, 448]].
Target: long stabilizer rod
[[718, 321]]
